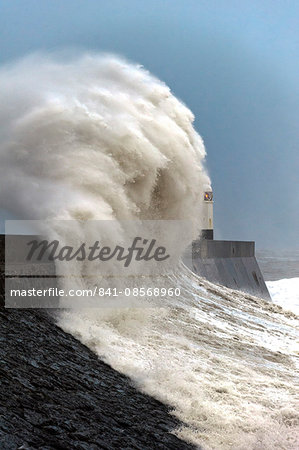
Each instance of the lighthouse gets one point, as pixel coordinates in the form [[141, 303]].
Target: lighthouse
[[207, 216]]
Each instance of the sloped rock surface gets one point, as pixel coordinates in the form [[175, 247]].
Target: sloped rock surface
[[56, 394]]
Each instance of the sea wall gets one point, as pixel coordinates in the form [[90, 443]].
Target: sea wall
[[228, 263], [56, 394]]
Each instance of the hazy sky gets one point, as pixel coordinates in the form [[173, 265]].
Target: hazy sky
[[233, 62]]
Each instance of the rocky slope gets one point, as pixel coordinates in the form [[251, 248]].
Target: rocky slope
[[56, 394]]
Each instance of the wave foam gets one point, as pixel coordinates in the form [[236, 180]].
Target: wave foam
[[285, 293]]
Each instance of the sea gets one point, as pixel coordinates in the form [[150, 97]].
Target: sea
[[281, 273], [225, 362]]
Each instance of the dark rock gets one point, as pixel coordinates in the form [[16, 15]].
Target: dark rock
[[56, 394]]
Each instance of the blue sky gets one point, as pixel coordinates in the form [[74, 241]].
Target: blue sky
[[234, 63]]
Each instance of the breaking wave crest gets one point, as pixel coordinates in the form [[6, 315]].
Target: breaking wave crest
[[96, 138]]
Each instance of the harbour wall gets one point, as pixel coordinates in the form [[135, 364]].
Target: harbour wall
[[228, 263]]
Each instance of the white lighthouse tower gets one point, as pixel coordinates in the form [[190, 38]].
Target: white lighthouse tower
[[207, 215]]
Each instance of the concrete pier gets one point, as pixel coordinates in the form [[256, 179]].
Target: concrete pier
[[229, 263]]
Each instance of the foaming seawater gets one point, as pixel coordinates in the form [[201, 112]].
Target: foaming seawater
[[225, 361], [285, 292], [95, 137]]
